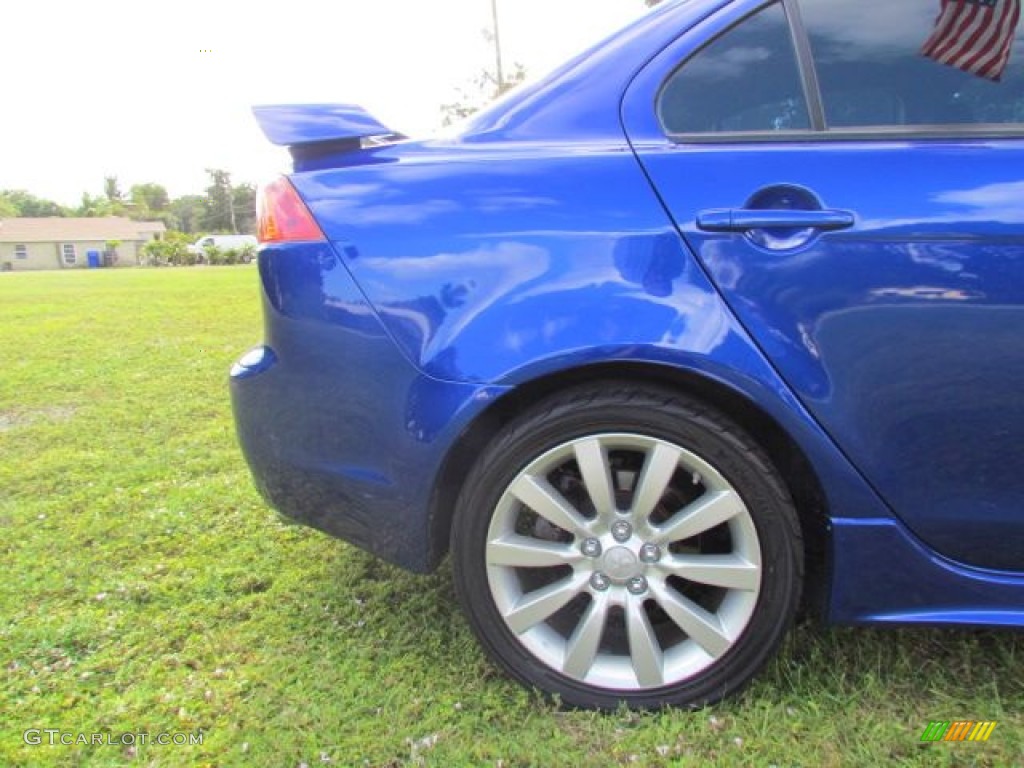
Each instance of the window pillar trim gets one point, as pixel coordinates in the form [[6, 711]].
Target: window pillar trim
[[805, 64]]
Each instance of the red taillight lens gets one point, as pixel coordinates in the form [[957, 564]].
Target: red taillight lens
[[282, 217]]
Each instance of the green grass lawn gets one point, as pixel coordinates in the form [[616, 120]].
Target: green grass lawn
[[146, 588]]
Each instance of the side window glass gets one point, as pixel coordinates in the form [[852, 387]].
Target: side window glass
[[747, 79], [873, 71]]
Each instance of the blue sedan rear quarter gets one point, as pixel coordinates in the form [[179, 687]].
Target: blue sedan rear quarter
[[656, 365]]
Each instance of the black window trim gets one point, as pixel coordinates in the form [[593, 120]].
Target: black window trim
[[938, 133], [814, 104], [805, 65]]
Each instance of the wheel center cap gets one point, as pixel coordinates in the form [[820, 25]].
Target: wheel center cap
[[620, 564]]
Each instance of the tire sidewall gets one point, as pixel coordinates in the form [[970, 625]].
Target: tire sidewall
[[691, 426]]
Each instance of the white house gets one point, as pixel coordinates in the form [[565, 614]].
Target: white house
[[57, 242]]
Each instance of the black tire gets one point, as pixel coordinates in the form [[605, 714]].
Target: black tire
[[647, 412]]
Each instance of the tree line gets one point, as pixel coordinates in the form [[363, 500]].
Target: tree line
[[226, 207]]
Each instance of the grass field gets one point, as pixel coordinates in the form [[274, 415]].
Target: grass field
[[147, 588]]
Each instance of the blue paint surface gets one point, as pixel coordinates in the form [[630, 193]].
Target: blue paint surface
[[561, 232]]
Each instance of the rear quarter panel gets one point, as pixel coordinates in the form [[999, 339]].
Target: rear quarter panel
[[501, 264]]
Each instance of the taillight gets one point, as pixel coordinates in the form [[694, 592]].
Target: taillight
[[282, 217]]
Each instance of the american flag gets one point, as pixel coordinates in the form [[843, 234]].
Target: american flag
[[974, 35]]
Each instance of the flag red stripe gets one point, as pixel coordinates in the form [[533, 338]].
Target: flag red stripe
[[991, 59], [950, 35], [973, 58], [956, 44], [947, 16], [926, 48], [968, 49], [974, 37]]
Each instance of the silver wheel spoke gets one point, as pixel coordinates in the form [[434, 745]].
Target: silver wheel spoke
[[705, 513], [703, 627], [538, 495], [581, 648], [524, 552], [728, 571], [644, 649], [658, 469], [534, 607], [593, 464]]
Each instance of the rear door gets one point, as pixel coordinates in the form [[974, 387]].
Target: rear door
[[861, 208]]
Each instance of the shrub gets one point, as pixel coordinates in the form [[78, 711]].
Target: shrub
[[169, 252], [213, 255]]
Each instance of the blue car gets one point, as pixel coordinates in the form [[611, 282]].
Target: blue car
[[721, 320]]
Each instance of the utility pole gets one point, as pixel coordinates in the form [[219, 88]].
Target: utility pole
[[497, 48]]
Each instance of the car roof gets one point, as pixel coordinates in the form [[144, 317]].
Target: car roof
[[579, 100]]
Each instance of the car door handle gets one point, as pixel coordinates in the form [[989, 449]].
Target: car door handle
[[744, 219]]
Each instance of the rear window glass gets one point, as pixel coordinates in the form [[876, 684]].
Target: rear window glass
[[870, 56], [747, 79]]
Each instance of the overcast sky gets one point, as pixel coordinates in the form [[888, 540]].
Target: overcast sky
[[158, 90]]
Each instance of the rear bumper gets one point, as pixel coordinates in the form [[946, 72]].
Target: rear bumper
[[340, 431], [883, 575]]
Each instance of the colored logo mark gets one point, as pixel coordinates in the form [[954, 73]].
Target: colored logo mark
[[958, 730]]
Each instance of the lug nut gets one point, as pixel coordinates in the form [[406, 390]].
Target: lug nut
[[622, 530], [650, 553], [600, 582], [591, 547], [637, 585]]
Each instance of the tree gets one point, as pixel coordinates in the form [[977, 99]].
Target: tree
[[187, 213], [226, 207], [482, 90], [243, 199], [112, 190], [28, 205], [94, 206], [490, 84], [172, 250], [150, 202], [150, 197], [219, 214]]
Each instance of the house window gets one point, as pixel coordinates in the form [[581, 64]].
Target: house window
[[67, 251], [21, 251]]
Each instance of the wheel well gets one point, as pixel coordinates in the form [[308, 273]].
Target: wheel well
[[785, 454]]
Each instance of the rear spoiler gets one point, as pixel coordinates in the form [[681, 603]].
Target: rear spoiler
[[314, 130]]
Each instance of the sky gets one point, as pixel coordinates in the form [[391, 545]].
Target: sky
[[159, 90]]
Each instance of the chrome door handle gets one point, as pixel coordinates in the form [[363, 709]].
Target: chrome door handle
[[744, 219]]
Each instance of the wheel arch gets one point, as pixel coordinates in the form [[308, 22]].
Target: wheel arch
[[785, 453]]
